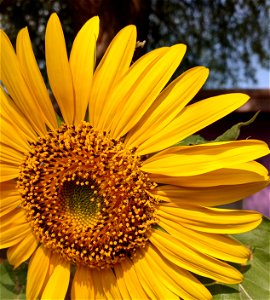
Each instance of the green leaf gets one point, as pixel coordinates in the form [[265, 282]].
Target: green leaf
[[234, 132], [59, 120], [257, 280], [224, 292], [194, 139], [12, 282], [256, 285], [229, 135]]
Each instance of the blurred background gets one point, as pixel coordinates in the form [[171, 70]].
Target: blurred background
[[230, 37]]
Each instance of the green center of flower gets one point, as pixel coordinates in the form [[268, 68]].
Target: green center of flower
[[86, 197], [80, 199]]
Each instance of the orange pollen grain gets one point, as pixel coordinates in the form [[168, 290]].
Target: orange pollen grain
[[86, 197]]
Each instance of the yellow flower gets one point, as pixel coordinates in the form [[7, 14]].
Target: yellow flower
[[106, 194]]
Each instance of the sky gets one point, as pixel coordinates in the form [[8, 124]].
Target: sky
[[263, 77]]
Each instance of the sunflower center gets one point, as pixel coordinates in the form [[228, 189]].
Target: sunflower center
[[86, 197], [81, 201]]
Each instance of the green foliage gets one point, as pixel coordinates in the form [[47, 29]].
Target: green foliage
[[12, 282], [194, 139], [224, 292], [229, 135], [234, 132], [59, 120], [256, 285]]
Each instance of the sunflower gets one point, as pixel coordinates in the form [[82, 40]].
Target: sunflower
[[99, 196]]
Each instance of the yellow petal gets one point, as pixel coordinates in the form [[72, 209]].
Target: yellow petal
[[98, 288], [206, 196], [5, 211], [212, 220], [14, 227], [13, 80], [125, 88], [196, 262], [82, 284], [119, 273], [138, 93], [146, 285], [131, 280], [176, 279], [57, 285], [20, 253], [8, 189], [10, 197], [10, 112], [216, 245], [151, 283], [8, 171], [58, 68], [82, 63], [10, 201], [167, 105], [33, 78], [13, 218], [8, 204], [37, 270], [113, 65], [11, 136], [10, 155], [192, 119], [249, 172], [13, 235], [109, 284], [199, 159]]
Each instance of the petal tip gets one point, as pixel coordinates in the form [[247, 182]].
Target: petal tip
[[54, 19], [130, 29]]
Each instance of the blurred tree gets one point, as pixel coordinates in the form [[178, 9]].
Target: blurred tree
[[230, 37], [114, 15]]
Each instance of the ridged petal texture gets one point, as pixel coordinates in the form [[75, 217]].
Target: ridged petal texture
[[111, 68], [140, 86], [33, 77], [82, 64], [11, 76], [58, 69], [132, 102], [167, 106], [192, 119], [204, 158]]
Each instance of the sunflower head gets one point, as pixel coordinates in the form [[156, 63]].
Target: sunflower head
[[110, 191], [86, 197]]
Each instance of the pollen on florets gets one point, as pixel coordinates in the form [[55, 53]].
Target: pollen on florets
[[86, 197]]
